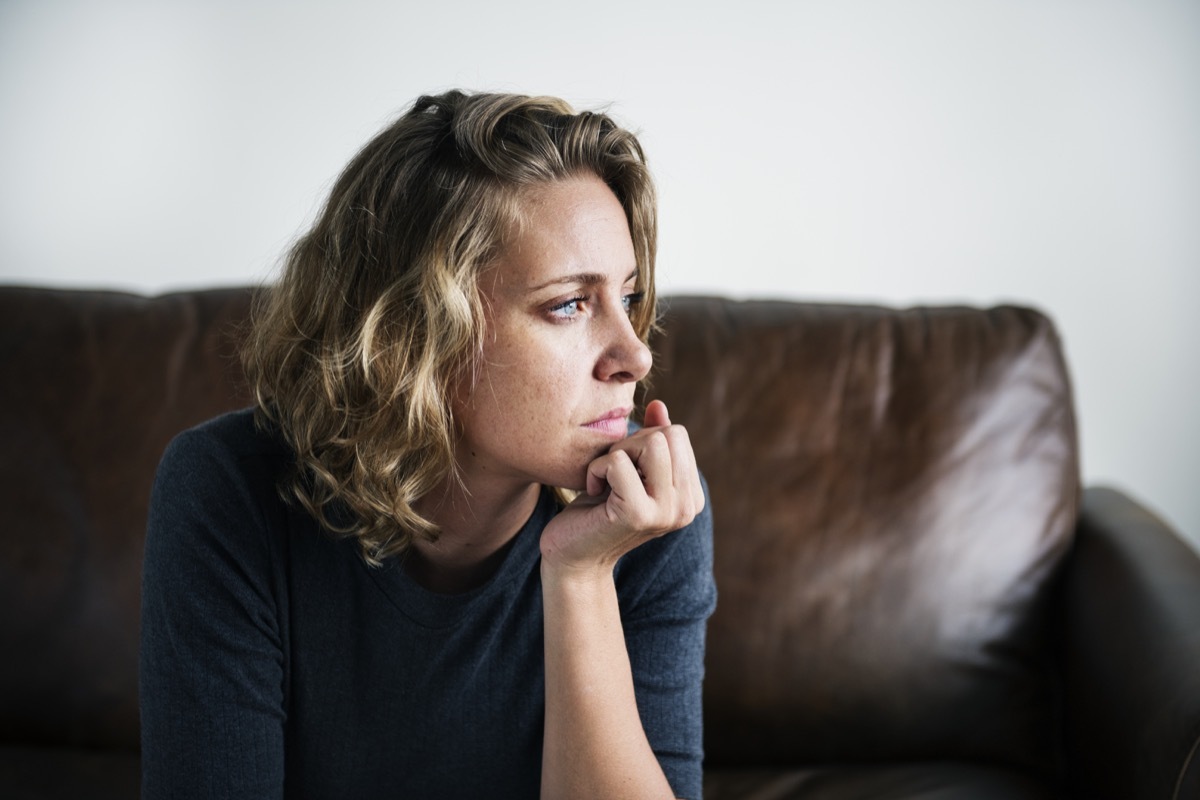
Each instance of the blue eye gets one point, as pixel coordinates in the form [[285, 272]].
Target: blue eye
[[631, 300], [568, 309]]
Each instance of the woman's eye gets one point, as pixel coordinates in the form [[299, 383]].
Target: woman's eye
[[568, 309], [573, 308]]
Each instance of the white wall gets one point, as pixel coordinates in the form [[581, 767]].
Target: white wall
[[1039, 151]]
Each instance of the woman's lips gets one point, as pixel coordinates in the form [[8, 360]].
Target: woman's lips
[[614, 424]]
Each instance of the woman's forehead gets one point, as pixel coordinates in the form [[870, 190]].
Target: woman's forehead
[[571, 231]]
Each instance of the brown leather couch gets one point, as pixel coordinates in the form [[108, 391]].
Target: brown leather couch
[[916, 598]]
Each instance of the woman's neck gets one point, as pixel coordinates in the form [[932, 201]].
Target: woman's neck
[[477, 525]]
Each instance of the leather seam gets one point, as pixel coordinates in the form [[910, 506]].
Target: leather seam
[[1187, 763]]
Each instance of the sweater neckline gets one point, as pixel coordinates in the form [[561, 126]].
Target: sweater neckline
[[429, 609]]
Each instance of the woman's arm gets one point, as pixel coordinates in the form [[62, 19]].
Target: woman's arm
[[595, 744], [211, 671]]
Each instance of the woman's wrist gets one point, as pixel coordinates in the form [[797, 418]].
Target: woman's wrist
[[576, 578]]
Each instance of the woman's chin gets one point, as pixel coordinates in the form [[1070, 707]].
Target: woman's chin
[[575, 483], [571, 478]]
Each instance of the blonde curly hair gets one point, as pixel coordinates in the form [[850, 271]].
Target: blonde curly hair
[[353, 353]]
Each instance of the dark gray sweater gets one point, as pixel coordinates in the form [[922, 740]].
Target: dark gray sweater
[[276, 663]]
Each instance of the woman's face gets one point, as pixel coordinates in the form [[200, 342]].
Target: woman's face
[[561, 359]]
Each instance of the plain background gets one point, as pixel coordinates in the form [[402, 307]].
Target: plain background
[[1044, 152]]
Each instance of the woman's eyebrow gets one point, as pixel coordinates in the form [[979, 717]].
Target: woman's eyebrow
[[581, 278]]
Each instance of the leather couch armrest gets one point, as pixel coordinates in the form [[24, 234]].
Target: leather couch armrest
[[1131, 654]]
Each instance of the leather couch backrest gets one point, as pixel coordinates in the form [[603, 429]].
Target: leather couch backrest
[[93, 386], [892, 491]]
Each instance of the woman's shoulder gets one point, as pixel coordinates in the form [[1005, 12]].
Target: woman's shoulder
[[235, 434], [230, 459], [216, 512]]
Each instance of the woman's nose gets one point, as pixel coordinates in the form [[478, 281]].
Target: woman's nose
[[625, 356]]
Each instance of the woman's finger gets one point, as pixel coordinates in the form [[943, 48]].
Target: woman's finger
[[648, 449], [685, 473], [653, 461], [656, 415]]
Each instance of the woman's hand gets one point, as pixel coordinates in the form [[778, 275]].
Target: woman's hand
[[645, 485]]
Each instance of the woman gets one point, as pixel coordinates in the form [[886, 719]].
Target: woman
[[371, 585]]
